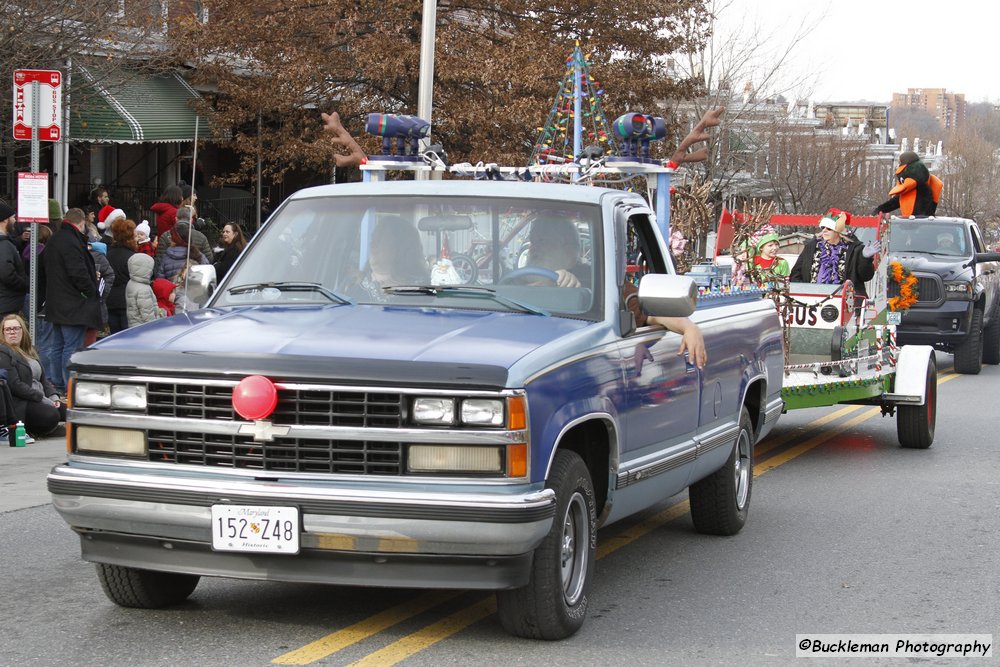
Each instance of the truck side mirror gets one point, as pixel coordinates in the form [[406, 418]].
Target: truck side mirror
[[664, 295], [200, 283], [987, 257]]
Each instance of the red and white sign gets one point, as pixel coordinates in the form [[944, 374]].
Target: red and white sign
[[32, 197], [50, 103]]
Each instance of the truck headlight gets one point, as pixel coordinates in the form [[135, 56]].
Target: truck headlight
[[958, 290], [482, 412], [104, 395], [119, 441], [454, 459], [428, 410]]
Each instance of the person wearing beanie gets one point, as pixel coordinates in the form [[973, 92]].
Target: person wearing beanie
[[917, 191], [199, 242], [769, 265], [143, 242], [834, 256], [55, 212], [13, 279]]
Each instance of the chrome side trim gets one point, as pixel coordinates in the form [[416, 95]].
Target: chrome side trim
[[774, 411], [640, 473], [724, 437]]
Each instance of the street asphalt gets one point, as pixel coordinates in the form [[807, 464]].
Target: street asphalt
[[23, 471]]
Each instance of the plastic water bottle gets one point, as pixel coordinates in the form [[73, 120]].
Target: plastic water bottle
[[20, 435]]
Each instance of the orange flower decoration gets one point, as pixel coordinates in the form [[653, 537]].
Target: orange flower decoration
[[907, 288]]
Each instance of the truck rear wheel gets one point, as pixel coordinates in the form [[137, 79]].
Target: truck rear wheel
[[720, 502], [969, 355], [991, 340], [553, 605], [144, 589], [915, 423]]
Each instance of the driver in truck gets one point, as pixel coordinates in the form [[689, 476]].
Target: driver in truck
[[555, 245]]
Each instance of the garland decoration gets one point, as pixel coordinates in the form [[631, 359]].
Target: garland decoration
[[908, 292]]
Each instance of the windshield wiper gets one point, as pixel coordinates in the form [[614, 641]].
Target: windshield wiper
[[290, 287], [466, 290]]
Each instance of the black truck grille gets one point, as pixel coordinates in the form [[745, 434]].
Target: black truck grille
[[303, 407], [929, 289], [351, 457]]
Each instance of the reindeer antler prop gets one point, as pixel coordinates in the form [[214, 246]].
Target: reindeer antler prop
[[341, 137], [697, 134]]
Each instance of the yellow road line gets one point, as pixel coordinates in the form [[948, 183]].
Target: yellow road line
[[363, 629], [411, 644], [418, 641], [773, 442]]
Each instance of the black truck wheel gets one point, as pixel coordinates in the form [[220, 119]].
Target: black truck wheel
[[720, 502], [991, 340], [553, 605], [915, 423], [144, 589], [969, 355]]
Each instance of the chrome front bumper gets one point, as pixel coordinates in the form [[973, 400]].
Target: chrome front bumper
[[388, 538]]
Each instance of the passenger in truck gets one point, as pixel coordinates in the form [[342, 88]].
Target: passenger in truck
[[394, 258]]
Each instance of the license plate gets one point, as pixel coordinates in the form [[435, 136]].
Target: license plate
[[255, 529]]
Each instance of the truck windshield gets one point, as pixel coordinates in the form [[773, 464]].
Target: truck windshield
[[533, 256], [931, 238]]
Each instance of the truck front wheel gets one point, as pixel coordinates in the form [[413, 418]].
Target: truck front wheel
[[969, 354], [991, 340], [720, 502], [553, 605], [144, 589]]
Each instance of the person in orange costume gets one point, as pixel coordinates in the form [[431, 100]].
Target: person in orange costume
[[917, 191]]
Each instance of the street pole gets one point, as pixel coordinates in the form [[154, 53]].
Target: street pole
[[425, 86], [36, 117]]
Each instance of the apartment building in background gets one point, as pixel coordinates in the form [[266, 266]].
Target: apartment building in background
[[948, 108]]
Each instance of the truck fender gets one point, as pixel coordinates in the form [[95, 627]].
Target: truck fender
[[911, 372]]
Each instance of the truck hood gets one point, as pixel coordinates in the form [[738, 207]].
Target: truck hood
[[342, 342], [949, 268]]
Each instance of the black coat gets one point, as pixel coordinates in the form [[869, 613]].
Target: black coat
[[118, 257], [19, 380], [857, 268], [13, 279], [225, 260], [70, 280]]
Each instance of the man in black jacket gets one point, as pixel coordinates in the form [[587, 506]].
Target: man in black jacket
[[834, 257], [72, 304], [13, 279]]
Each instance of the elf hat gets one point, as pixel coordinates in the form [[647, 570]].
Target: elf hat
[[765, 239], [836, 220]]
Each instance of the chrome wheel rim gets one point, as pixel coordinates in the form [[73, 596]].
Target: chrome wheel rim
[[574, 552], [742, 469]]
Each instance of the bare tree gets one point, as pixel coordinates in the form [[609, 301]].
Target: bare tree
[[971, 174]]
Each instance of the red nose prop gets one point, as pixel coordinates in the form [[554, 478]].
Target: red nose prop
[[255, 397]]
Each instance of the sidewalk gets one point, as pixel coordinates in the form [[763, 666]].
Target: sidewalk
[[23, 471]]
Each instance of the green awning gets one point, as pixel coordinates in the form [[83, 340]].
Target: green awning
[[131, 107]]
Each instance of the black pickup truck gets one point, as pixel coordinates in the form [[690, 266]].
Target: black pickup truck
[[958, 304]]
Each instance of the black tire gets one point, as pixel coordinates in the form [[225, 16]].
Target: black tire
[[553, 604], [969, 355], [721, 501], [466, 267], [915, 423], [144, 589], [991, 340]]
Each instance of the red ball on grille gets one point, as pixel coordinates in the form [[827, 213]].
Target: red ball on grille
[[255, 397]]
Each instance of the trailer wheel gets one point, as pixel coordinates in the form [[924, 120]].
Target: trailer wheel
[[553, 604], [144, 589], [721, 501], [969, 354], [991, 340], [915, 423]]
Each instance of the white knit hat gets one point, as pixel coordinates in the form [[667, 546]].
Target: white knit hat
[[143, 227]]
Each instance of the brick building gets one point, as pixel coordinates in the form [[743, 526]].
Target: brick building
[[948, 108]]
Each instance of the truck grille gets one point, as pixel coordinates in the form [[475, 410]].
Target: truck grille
[[350, 457], [929, 289], [305, 407], [301, 407]]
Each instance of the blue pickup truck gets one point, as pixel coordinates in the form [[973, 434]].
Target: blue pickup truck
[[336, 415]]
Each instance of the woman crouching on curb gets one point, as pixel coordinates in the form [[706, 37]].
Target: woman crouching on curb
[[36, 402]]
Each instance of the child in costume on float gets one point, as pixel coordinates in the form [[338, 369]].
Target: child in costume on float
[[769, 265]]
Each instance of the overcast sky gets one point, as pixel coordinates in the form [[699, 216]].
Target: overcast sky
[[869, 49]]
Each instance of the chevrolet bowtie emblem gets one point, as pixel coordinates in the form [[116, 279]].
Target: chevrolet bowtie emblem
[[263, 431]]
